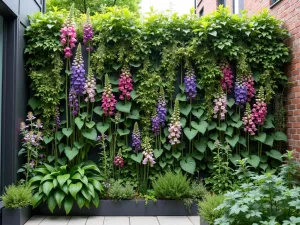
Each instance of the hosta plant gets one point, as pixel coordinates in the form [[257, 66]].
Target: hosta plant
[[62, 186]]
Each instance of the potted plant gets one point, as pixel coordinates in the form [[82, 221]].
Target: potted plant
[[16, 202]]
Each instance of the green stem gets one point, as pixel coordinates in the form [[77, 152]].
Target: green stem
[[67, 109]]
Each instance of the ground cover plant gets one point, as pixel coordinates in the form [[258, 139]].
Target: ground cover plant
[[140, 97]]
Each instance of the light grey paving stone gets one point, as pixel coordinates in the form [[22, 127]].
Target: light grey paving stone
[[195, 220], [78, 220], [117, 220], [143, 220], [35, 220], [174, 220], [95, 220], [56, 220]]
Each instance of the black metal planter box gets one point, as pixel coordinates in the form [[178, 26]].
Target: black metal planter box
[[15, 216], [126, 208]]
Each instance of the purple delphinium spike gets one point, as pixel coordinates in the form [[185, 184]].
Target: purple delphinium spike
[[73, 102], [136, 138], [190, 84], [161, 108], [240, 92], [57, 118], [88, 31], [155, 124], [78, 73]]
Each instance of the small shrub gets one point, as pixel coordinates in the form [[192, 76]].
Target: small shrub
[[16, 196], [119, 192], [197, 191], [207, 207], [171, 186]]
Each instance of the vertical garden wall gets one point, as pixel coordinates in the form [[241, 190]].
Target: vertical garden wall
[[143, 96]]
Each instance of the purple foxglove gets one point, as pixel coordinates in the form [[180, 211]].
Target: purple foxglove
[[155, 124], [190, 84], [161, 108], [78, 73], [88, 31], [73, 102], [136, 138], [240, 92]]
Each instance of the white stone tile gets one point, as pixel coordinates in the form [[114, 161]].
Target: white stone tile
[[35, 220], [117, 220], [195, 220], [95, 220], [78, 220], [56, 220], [143, 220], [174, 220]]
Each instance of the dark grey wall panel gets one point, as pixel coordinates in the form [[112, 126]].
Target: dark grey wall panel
[[28, 7], [13, 5]]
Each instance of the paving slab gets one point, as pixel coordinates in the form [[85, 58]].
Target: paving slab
[[56, 220], [143, 220], [195, 219], [95, 220], [35, 220], [78, 220], [174, 220], [117, 220]]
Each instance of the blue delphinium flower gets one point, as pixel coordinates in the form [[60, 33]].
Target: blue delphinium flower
[[136, 138], [161, 108], [240, 92], [190, 84], [78, 73]]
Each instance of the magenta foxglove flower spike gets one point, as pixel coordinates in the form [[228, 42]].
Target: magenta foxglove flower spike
[[259, 110], [190, 84], [125, 84], [220, 106], [136, 138], [248, 121], [90, 87], [161, 108], [119, 160], [78, 73], [108, 99], [148, 152], [175, 125], [227, 80], [68, 34], [88, 31]]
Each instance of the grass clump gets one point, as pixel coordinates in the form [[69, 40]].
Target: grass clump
[[16, 196]]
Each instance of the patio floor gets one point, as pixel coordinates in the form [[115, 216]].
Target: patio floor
[[122, 220]]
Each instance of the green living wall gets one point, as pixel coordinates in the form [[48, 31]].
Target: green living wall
[[143, 95]]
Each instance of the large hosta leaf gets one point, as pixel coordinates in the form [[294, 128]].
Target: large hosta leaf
[[75, 188], [68, 204], [188, 164]]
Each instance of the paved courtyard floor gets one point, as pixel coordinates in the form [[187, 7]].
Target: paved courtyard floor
[[108, 220]]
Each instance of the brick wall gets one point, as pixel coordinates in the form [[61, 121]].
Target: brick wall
[[289, 12], [209, 6]]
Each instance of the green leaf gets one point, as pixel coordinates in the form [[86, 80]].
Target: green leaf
[[230, 102], [71, 153], [232, 140], [102, 127], [137, 157], [51, 203], [68, 204], [254, 160], [261, 137], [183, 121], [280, 136], [223, 127], [158, 152], [135, 114], [98, 110], [96, 200], [80, 200], [61, 147], [133, 95], [264, 166], [213, 136], [90, 124], [185, 109], [234, 158], [275, 154], [59, 135], [200, 145], [79, 122], [211, 145], [242, 141], [50, 158], [213, 33], [197, 113], [36, 199], [190, 133], [59, 196], [123, 107], [245, 153], [162, 164], [201, 127], [237, 124], [268, 124], [269, 140], [212, 126], [181, 97], [47, 139], [34, 103], [176, 154], [67, 131], [229, 131], [75, 188], [62, 179], [197, 155], [78, 145], [123, 132], [47, 187], [188, 164], [90, 134]]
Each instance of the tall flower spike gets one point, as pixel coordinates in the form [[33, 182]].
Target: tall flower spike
[[125, 84], [108, 99], [175, 125], [78, 73], [148, 152], [73, 102], [161, 108], [190, 84], [119, 160], [88, 31], [90, 87], [259, 110], [240, 91], [220, 106], [57, 117], [248, 121], [136, 138], [155, 124], [227, 80], [249, 81], [68, 33]]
